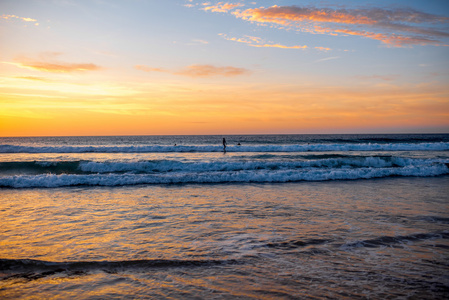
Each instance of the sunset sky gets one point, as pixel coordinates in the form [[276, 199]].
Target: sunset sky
[[144, 67]]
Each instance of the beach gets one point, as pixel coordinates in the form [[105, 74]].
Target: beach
[[276, 217]]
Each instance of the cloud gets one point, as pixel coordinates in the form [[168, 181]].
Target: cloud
[[199, 71], [391, 39], [60, 67], [289, 15], [9, 17], [323, 48], [395, 27], [327, 58], [221, 7], [48, 63], [34, 78], [148, 69], [278, 46], [259, 42], [209, 70], [200, 41]]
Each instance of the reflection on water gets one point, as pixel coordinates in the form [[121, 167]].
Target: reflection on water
[[371, 239]]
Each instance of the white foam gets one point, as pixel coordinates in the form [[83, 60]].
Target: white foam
[[221, 165], [257, 176], [256, 148]]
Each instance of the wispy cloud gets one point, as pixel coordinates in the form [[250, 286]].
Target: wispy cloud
[[221, 7], [199, 70], [327, 58], [394, 27], [200, 41], [47, 62], [14, 17], [58, 67], [277, 46], [33, 78], [395, 40], [259, 42], [323, 48], [210, 70], [148, 69]]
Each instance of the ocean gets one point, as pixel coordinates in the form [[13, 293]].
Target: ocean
[[272, 217]]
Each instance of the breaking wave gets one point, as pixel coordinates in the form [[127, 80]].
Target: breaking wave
[[241, 176], [441, 146]]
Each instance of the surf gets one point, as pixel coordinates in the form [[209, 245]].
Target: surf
[[438, 146], [215, 177]]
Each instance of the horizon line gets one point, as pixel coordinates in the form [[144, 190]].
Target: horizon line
[[218, 134]]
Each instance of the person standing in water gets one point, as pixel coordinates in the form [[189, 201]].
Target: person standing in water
[[224, 145]]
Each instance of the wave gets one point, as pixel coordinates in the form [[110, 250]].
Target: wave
[[390, 241], [244, 163], [243, 176], [40, 167], [151, 166], [294, 244], [31, 269], [159, 166], [244, 169], [319, 246], [441, 146]]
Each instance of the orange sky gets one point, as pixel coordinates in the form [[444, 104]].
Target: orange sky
[[187, 67]]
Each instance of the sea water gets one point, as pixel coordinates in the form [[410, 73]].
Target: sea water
[[272, 217]]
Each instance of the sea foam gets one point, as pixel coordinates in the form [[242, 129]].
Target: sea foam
[[243, 176], [441, 146]]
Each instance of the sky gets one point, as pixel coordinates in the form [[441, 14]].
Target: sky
[[152, 67]]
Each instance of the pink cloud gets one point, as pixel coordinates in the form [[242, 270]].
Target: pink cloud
[[48, 63], [199, 70], [221, 7], [394, 27], [259, 43]]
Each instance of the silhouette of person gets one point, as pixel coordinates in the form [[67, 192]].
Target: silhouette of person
[[224, 145]]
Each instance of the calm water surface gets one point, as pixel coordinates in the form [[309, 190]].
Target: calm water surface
[[379, 238]]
